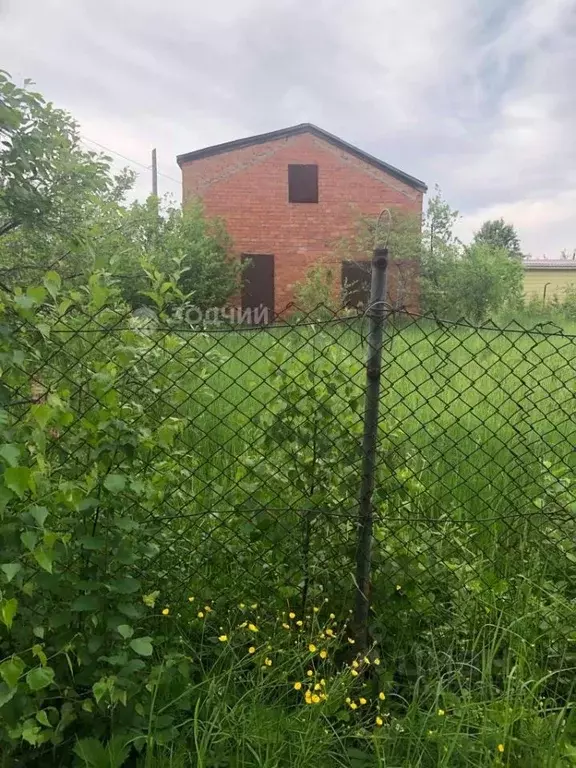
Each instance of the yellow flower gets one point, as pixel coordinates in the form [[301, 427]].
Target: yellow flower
[[377, 662], [354, 673], [353, 705], [268, 662], [251, 650], [299, 623], [254, 606], [348, 700], [241, 606], [317, 687], [430, 733], [292, 615], [332, 616], [243, 625], [366, 660], [200, 615], [315, 609], [165, 611], [297, 686], [382, 696], [500, 748], [308, 697], [252, 627], [362, 700], [309, 673], [207, 609], [379, 721], [355, 664], [315, 699], [322, 682], [190, 599], [351, 641], [312, 648], [330, 632], [398, 587], [323, 654], [285, 626], [441, 713], [223, 638]]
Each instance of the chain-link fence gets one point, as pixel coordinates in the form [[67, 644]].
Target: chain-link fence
[[234, 458]]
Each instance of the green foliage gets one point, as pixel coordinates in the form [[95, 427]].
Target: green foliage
[[47, 181], [498, 234], [178, 241], [318, 294]]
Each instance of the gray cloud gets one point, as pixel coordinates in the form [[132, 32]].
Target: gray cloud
[[473, 94]]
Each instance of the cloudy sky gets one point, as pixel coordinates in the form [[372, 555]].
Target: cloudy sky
[[477, 96]]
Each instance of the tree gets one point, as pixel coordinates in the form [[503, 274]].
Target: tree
[[47, 180], [485, 280], [499, 234]]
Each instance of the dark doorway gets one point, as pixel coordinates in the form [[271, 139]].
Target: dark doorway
[[258, 285], [356, 283]]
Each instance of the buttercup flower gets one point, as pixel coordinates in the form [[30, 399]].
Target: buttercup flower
[[362, 700], [379, 721], [309, 673], [441, 713], [252, 627], [207, 609], [500, 748], [312, 648], [292, 615], [251, 650], [285, 626], [377, 662], [353, 705], [351, 640], [254, 606], [317, 687], [297, 686], [299, 623], [241, 606], [315, 609], [200, 615], [330, 632], [165, 611], [355, 664], [190, 599], [354, 673], [382, 696], [323, 654], [223, 638], [332, 616], [315, 698], [268, 662]]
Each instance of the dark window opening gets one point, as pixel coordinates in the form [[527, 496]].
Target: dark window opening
[[356, 277], [303, 183]]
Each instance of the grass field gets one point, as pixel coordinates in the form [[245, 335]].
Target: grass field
[[248, 543], [474, 577]]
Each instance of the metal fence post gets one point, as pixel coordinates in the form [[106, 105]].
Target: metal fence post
[[377, 317]]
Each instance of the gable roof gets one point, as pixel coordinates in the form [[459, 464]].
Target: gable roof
[[296, 130]]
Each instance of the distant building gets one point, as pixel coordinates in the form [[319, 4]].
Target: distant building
[[288, 196], [544, 278]]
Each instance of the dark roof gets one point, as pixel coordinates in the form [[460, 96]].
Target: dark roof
[[294, 130]]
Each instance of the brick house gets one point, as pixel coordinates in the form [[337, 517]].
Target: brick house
[[288, 197]]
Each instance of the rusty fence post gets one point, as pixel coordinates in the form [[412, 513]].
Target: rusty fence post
[[377, 317]]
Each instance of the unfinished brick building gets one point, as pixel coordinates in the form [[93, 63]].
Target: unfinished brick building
[[288, 197]]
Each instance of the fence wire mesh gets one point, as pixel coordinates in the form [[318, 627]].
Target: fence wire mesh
[[235, 453]]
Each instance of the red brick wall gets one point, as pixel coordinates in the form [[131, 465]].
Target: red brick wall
[[248, 188]]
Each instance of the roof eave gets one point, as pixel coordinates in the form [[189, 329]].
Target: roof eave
[[263, 138]]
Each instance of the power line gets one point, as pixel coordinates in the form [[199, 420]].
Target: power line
[[129, 159]]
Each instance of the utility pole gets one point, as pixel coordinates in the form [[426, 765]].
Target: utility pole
[[154, 174]]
